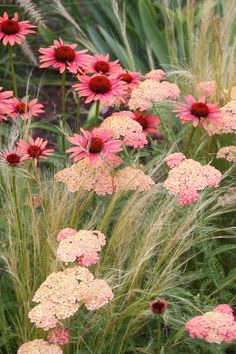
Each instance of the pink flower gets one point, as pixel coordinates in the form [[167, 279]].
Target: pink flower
[[5, 108], [213, 326], [198, 111], [173, 160], [224, 308], [59, 336], [63, 56], [13, 31], [131, 79], [65, 233], [35, 149], [206, 88], [39, 346], [12, 157], [95, 144], [149, 122], [158, 306], [228, 153], [95, 294], [157, 75], [100, 64], [24, 109], [100, 87], [228, 120]]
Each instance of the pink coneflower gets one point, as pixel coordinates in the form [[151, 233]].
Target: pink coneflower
[[63, 56], [131, 79], [101, 64], [5, 108], [12, 157], [4, 95], [13, 31], [149, 122], [100, 87], [24, 109], [198, 111], [93, 145], [35, 149]]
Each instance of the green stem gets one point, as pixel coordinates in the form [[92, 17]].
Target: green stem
[[12, 70], [190, 139], [158, 334], [14, 191], [78, 114], [63, 106], [97, 112]]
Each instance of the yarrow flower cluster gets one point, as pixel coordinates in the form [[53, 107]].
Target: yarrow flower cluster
[[173, 160], [206, 88], [228, 153], [157, 75], [103, 179], [152, 91], [62, 294], [59, 336], [124, 126], [227, 122], [216, 326], [82, 246], [188, 178], [228, 198], [39, 346]]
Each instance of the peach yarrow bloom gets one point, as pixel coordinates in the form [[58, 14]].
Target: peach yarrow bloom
[[39, 346], [13, 31]]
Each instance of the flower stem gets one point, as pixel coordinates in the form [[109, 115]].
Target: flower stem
[[63, 105], [190, 138], [158, 334], [97, 112], [14, 191], [12, 70], [78, 114]]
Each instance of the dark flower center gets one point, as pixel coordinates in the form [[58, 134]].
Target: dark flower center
[[142, 120], [159, 306], [21, 108], [13, 159], [200, 109], [95, 145], [64, 54], [34, 151], [101, 66], [10, 27], [126, 77], [99, 84]]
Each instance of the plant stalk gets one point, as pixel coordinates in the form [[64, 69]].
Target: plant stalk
[[63, 106], [97, 112], [14, 191], [12, 70], [158, 334]]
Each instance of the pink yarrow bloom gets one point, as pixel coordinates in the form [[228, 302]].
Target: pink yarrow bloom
[[100, 64], [149, 122], [173, 160], [35, 149], [12, 157], [198, 111], [25, 109], [60, 335], [157, 75], [13, 31], [100, 87], [94, 145], [63, 57]]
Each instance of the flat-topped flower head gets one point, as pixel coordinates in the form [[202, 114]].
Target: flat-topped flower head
[[63, 57], [149, 122], [131, 79], [13, 31], [94, 145], [228, 153], [173, 160], [35, 149], [206, 88], [198, 111], [25, 109], [59, 336], [100, 87], [12, 157], [217, 326], [157, 75], [39, 346], [228, 120], [100, 64]]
